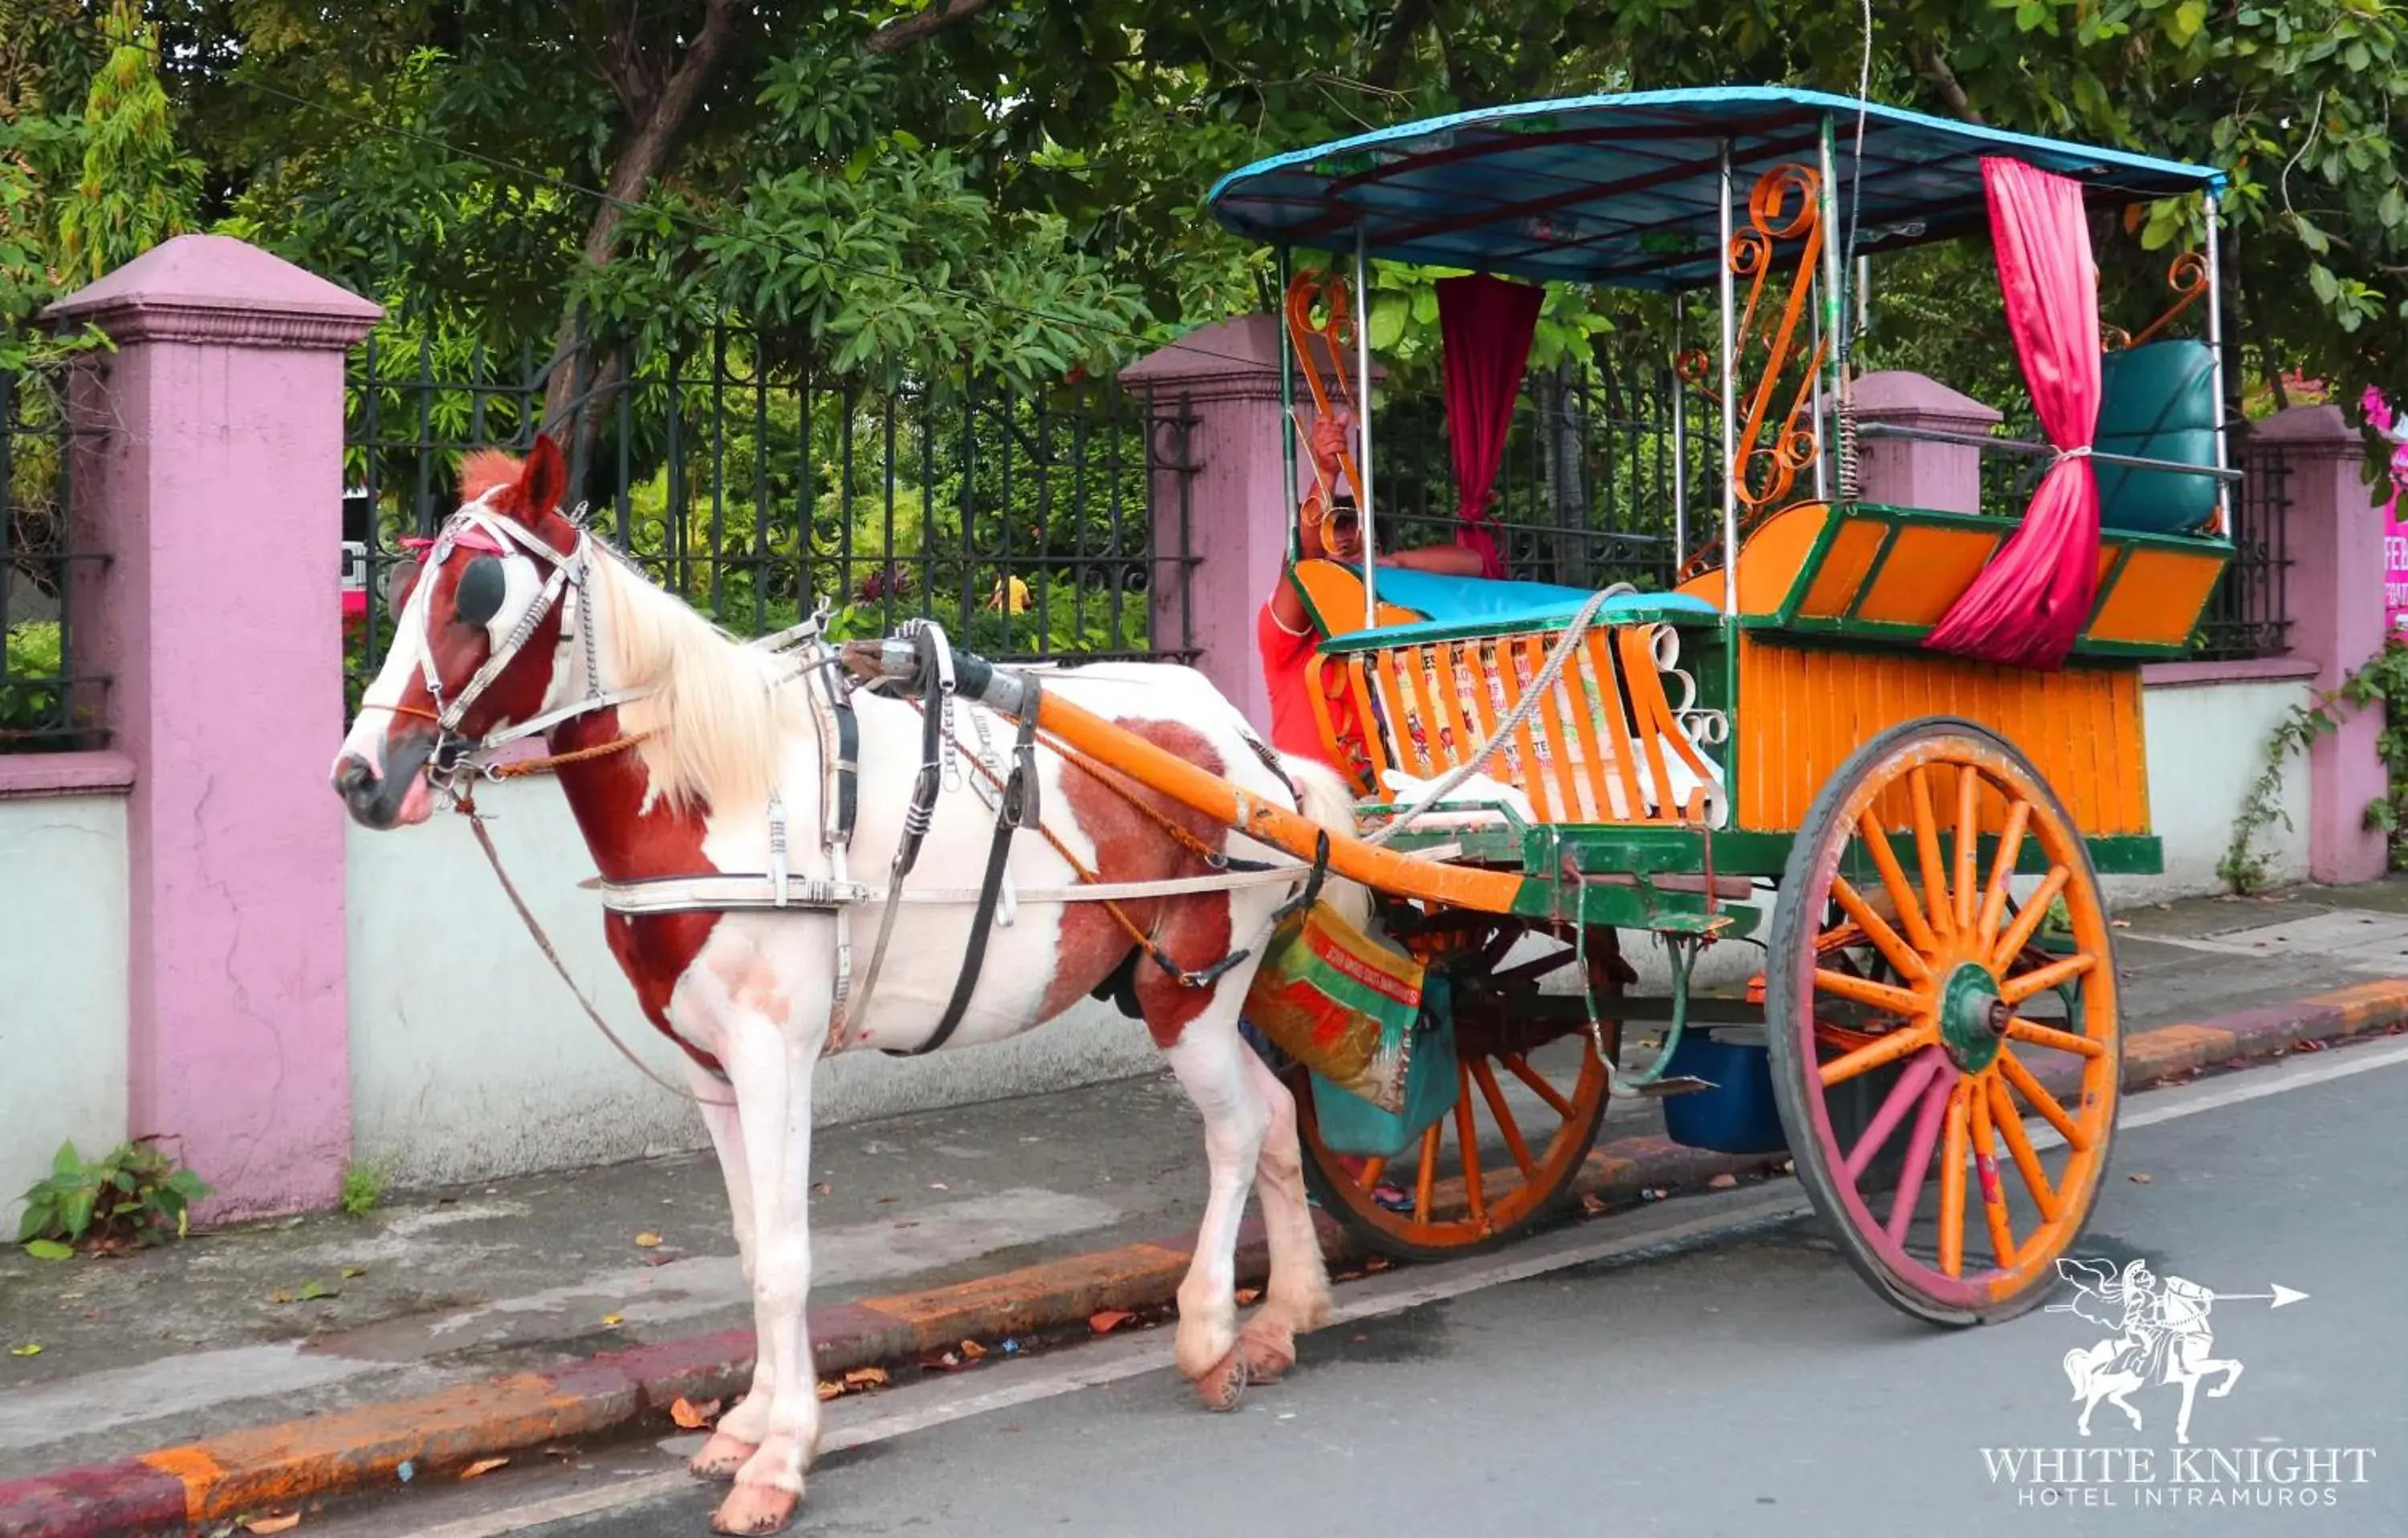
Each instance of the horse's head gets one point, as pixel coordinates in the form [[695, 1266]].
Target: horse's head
[[479, 638]]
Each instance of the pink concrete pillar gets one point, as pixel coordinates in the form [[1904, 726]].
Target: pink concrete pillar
[[2332, 536], [1905, 472], [215, 483]]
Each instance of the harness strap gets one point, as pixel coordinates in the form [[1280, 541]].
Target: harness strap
[[1016, 805]]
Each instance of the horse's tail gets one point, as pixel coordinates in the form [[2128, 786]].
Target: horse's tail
[[1330, 802], [2077, 1370]]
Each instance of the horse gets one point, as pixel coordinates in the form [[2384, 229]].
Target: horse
[[673, 742]]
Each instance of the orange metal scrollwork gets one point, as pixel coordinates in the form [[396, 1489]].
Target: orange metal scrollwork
[[1784, 205], [2187, 277], [1327, 290]]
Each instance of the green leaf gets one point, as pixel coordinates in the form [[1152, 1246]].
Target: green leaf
[[2185, 23], [66, 1164], [1387, 320], [312, 1291], [49, 1249]]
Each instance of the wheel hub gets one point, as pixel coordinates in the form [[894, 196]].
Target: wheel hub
[[1972, 1017]]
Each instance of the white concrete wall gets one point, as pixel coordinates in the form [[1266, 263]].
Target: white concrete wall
[[471, 1059], [62, 988], [2207, 745]]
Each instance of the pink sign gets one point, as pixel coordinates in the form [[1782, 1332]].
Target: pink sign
[[2395, 535]]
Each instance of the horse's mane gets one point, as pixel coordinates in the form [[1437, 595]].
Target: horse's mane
[[716, 715]]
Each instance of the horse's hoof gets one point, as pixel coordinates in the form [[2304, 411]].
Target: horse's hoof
[[755, 1509], [1268, 1353], [1225, 1382], [719, 1457]]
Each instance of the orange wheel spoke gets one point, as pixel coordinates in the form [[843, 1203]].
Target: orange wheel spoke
[[1951, 1185], [2036, 1095], [2010, 1132], [1864, 990], [1927, 849], [1428, 1176], [1520, 1068], [1467, 1132], [1969, 843], [1886, 940], [2019, 933], [2022, 1029], [1994, 898], [1373, 1170], [1884, 1049], [2014, 990], [1486, 1078], [1985, 1174], [1893, 879]]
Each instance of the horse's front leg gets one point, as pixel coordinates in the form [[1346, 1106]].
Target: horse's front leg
[[2231, 1376], [740, 1429], [1209, 1058], [769, 1062]]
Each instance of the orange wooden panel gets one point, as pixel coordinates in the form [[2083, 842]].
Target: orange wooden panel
[[1770, 560], [1335, 597], [1850, 556], [1926, 570], [1801, 711], [2158, 599]]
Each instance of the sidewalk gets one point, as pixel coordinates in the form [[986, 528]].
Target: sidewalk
[[532, 1276]]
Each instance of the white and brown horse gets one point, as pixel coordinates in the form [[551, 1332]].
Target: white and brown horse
[[517, 617]]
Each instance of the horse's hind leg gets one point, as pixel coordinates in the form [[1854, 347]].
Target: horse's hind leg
[[1209, 1058], [740, 1429], [1297, 1300]]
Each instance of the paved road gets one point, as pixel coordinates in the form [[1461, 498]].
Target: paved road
[[1745, 1383]]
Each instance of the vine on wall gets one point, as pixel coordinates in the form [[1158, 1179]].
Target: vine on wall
[[2382, 678]]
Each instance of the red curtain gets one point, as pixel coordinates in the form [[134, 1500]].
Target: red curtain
[[1485, 323], [2031, 601]]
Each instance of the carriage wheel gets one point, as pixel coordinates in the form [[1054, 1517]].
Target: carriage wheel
[[1915, 965], [1531, 1098]]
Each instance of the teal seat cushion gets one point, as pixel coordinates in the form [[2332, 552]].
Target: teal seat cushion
[[2157, 401], [1560, 604]]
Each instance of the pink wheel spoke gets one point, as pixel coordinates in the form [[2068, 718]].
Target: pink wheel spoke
[[1864, 990], [1927, 849], [2014, 990], [2003, 870], [1969, 843], [1901, 955], [1936, 1097], [2036, 1095], [1903, 1096], [2019, 933], [1893, 879], [1875, 1053], [2019, 1148]]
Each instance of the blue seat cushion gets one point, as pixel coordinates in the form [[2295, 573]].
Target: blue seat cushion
[[2157, 401], [1531, 604]]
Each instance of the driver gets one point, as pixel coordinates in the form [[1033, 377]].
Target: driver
[[1331, 528]]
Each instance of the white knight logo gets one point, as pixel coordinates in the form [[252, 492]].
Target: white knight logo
[[2163, 1337]]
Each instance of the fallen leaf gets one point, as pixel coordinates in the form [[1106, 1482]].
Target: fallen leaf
[[30, 1348], [907, 1222], [2120, 922], [614, 1320], [648, 1240], [1247, 1294], [352, 1272], [311, 1292], [938, 1186], [973, 1350], [482, 1465], [821, 1188], [1722, 1182], [2138, 1178], [866, 1377], [1376, 1262], [1591, 1203], [693, 1416], [830, 1388], [281, 1295], [285, 1523], [1104, 1321], [49, 1249], [661, 1257]]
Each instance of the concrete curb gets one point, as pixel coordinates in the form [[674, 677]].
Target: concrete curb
[[172, 1488]]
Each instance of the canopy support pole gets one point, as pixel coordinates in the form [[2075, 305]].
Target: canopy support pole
[[1833, 455], [1680, 441], [1363, 428], [1287, 411], [1730, 394], [2216, 351]]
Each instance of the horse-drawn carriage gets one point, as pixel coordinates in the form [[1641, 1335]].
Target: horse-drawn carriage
[[1894, 747]]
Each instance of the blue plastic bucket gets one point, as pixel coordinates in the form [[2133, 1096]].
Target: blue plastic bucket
[[1738, 1115]]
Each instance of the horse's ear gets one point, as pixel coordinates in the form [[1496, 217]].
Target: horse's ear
[[543, 478]]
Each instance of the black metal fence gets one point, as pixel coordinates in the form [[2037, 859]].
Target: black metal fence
[[1025, 522], [1601, 469], [2248, 615], [49, 700]]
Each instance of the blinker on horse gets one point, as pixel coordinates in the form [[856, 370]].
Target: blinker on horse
[[708, 780]]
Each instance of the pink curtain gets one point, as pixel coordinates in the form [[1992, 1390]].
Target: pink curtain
[[2031, 601], [1485, 323]]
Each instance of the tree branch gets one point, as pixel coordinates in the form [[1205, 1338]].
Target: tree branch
[[1932, 66], [1389, 62], [942, 16]]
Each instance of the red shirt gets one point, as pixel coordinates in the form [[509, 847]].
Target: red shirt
[[1285, 657]]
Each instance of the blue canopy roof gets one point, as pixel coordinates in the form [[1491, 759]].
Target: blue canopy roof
[[1623, 190]]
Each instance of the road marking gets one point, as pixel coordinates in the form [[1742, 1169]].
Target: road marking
[[1648, 1233]]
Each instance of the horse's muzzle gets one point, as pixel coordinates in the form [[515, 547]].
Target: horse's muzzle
[[398, 795]]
